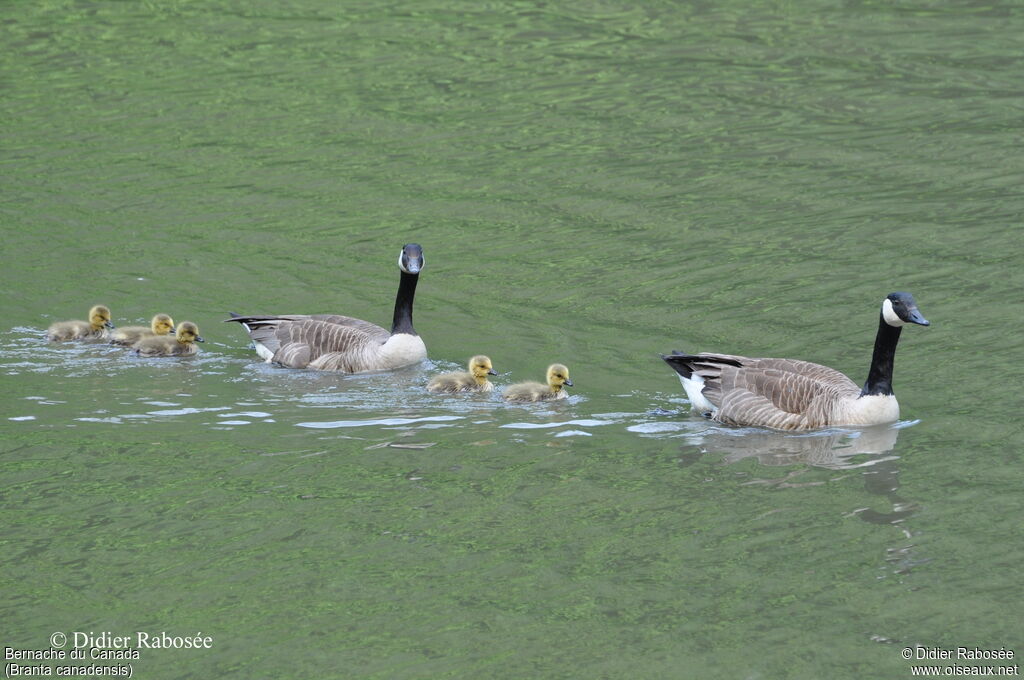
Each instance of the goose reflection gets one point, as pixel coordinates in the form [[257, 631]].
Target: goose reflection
[[866, 450], [845, 449]]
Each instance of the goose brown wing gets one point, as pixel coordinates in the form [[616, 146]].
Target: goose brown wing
[[370, 329], [322, 336], [321, 332], [783, 394]]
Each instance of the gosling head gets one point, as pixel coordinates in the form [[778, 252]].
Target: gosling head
[[410, 260], [480, 367], [558, 375], [162, 324], [188, 332], [99, 316], [899, 309]]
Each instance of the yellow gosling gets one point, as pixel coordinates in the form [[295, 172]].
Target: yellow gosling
[[183, 344], [161, 324], [558, 376], [473, 381], [93, 329]]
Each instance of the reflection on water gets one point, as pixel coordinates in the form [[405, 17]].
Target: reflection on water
[[833, 449], [867, 450]]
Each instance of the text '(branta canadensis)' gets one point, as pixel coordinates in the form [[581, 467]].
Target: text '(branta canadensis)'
[[161, 324], [329, 342], [557, 376], [786, 394], [475, 380], [93, 329], [181, 344]]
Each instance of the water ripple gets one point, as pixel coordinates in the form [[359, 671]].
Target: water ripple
[[379, 421]]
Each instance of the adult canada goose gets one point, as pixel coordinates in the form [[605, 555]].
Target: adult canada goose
[[161, 324], [473, 381], [558, 375], [786, 394], [328, 342], [93, 329], [181, 344]]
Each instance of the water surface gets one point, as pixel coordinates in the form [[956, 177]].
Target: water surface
[[592, 183]]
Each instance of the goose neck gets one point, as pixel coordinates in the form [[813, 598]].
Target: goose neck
[[402, 322], [880, 374]]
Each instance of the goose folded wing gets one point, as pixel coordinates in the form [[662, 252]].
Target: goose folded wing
[[315, 330], [781, 393], [324, 336]]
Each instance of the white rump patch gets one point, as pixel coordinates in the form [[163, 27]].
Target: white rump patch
[[263, 352], [890, 315], [694, 392]]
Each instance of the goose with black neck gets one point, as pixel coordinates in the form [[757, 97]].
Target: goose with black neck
[[331, 342], [788, 394]]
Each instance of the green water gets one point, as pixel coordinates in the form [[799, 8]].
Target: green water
[[592, 183]]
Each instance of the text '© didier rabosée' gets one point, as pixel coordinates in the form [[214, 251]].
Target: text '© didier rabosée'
[[140, 640]]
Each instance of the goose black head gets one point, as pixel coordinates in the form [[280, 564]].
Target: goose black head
[[410, 260], [899, 309]]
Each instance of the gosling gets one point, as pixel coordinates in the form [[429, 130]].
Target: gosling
[[129, 335], [183, 344], [93, 329], [473, 381], [558, 375]]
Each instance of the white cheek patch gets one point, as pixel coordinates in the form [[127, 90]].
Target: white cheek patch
[[401, 264], [889, 314]]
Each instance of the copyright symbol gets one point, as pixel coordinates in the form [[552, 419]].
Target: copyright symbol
[[58, 640], [907, 653]]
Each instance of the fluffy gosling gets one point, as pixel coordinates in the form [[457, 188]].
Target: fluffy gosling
[[558, 375], [129, 335], [473, 381], [183, 344], [93, 329]]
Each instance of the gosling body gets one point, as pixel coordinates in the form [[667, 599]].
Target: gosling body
[[96, 328], [161, 324], [787, 394], [473, 380], [181, 344], [557, 379]]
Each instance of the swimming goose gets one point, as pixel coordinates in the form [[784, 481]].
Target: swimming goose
[[558, 375], [182, 344], [93, 329], [328, 342], [786, 394], [161, 324], [473, 381]]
